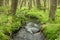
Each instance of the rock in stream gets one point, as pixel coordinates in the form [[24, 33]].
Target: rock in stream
[[24, 34]]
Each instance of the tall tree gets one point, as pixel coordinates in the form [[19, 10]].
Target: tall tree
[[1, 2], [48, 4], [6, 2], [24, 2], [14, 6], [58, 2], [44, 5], [38, 4], [21, 4], [30, 4], [34, 2], [19, 1], [53, 6]]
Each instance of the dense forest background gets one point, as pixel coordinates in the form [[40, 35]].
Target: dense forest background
[[14, 14]]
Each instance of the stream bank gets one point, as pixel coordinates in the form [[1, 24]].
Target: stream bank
[[23, 34]]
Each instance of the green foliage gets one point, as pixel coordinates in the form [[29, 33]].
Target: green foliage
[[3, 36], [39, 14], [58, 37], [4, 9], [43, 17], [57, 16], [10, 23], [51, 31]]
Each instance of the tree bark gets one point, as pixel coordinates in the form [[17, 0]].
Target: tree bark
[[44, 5], [1, 2], [34, 2], [38, 4], [14, 6], [24, 2], [58, 2], [53, 6], [6, 2], [29, 4], [21, 4]]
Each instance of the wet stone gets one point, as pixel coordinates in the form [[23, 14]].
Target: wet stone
[[23, 34]]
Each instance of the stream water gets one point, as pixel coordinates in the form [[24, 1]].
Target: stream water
[[30, 32]]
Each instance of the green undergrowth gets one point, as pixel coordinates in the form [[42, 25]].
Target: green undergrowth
[[52, 29], [10, 23], [34, 14]]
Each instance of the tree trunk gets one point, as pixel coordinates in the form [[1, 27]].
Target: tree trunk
[[58, 2], [34, 2], [53, 6], [14, 6], [44, 5], [21, 4], [24, 2], [1, 2], [48, 4], [29, 4], [38, 4], [6, 2]]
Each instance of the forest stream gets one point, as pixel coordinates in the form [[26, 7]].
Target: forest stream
[[31, 31]]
